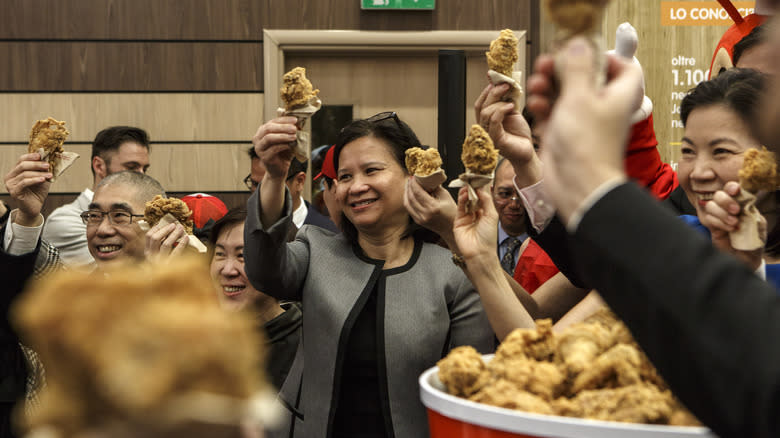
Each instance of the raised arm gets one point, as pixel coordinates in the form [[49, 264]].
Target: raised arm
[[272, 144], [475, 235]]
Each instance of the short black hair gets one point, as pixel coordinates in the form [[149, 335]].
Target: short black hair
[[399, 137], [252, 153], [109, 140], [739, 89], [297, 167], [236, 215], [755, 37]]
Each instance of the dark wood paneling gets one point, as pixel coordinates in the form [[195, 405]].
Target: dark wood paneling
[[125, 66], [448, 15], [240, 19], [134, 19]]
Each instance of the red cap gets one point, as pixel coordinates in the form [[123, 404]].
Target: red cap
[[204, 207], [328, 166]]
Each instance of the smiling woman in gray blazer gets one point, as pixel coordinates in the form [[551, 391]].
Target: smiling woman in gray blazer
[[380, 304]]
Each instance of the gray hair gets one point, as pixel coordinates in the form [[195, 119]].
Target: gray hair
[[146, 187]]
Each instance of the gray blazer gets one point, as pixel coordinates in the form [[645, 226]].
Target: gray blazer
[[427, 307]]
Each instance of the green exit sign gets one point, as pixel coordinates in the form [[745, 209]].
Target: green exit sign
[[398, 4]]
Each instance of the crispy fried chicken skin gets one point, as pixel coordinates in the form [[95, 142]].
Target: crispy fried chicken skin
[[463, 371], [479, 156], [593, 369], [576, 16], [49, 135], [297, 89], [502, 55], [159, 207], [759, 171], [124, 348], [422, 162]]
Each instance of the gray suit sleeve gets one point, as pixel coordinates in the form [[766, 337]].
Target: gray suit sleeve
[[468, 322], [274, 266]]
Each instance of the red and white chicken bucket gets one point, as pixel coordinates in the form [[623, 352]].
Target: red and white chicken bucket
[[454, 417]]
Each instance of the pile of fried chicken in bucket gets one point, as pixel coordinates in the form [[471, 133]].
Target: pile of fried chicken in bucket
[[593, 369]]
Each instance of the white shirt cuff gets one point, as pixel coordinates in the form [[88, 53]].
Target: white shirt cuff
[[538, 205], [19, 239], [590, 200]]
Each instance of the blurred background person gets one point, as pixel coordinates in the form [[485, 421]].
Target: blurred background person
[[281, 323]]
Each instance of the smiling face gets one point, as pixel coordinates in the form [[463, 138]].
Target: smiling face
[[110, 243], [227, 270], [712, 152], [371, 185]]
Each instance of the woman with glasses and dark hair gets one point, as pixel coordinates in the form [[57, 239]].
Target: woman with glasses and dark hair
[[381, 304]]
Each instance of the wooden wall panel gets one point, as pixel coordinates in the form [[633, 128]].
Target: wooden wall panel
[[54, 200], [179, 167], [134, 19], [131, 66], [189, 117], [240, 19]]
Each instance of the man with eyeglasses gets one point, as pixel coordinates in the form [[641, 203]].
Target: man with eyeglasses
[[252, 181], [113, 233], [511, 216], [115, 149]]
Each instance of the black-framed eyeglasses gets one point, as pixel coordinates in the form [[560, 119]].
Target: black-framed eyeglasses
[[250, 183], [115, 217]]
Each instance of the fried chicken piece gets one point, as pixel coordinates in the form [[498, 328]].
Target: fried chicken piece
[[581, 343], [422, 162], [505, 394], [618, 366], [48, 135], [463, 372], [543, 379], [297, 89], [576, 17], [759, 170], [537, 344], [159, 207], [479, 155], [125, 349], [503, 53], [637, 403], [681, 416]]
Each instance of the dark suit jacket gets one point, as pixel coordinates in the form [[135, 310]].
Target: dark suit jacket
[[314, 217], [707, 322], [14, 273]]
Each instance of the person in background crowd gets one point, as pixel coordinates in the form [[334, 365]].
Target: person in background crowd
[[328, 176], [511, 216], [365, 292], [256, 172], [23, 255], [717, 116], [206, 210], [115, 149], [280, 322], [303, 212]]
